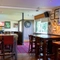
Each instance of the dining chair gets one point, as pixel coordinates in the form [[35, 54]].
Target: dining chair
[[7, 45], [31, 44]]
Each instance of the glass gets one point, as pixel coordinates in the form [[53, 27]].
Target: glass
[[41, 27]]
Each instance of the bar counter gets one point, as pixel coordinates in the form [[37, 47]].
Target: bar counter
[[45, 38]]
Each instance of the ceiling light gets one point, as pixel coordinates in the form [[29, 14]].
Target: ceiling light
[[38, 9]]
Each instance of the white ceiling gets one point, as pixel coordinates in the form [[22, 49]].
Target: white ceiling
[[12, 9], [16, 14], [30, 3]]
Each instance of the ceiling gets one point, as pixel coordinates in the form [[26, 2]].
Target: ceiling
[[13, 9]]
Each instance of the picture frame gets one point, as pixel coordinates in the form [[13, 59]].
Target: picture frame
[[58, 21], [7, 24], [56, 13], [15, 25], [52, 16]]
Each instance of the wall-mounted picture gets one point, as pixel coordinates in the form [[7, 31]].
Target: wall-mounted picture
[[58, 21], [7, 24], [56, 13], [15, 25], [52, 16]]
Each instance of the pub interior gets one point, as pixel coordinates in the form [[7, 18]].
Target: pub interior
[[29, 30]]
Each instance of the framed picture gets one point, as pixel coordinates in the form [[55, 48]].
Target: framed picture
[[58, 21], [56, 13], [52, 16], [7, 24], [15, 25]]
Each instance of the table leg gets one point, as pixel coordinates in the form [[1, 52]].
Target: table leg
[[15, 49], [44, 50]]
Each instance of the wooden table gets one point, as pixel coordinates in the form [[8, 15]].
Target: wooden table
[[45, 38]]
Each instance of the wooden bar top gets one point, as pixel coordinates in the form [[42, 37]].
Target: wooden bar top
[[47, 36]]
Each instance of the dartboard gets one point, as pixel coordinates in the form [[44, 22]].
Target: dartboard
[[27, 24]]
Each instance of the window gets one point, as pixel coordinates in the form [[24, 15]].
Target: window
[[41, 27]]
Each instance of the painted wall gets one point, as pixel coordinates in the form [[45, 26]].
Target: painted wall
[[12, 26], [29, 30]]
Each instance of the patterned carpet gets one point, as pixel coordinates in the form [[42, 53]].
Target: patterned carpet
[[23, 48]]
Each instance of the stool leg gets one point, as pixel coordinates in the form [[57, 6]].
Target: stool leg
[[56, 54]]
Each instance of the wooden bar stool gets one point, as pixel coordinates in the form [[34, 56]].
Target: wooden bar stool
[[31, 44], [8, 41], [56, 46]]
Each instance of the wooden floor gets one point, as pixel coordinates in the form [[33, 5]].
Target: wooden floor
[[26, 56]]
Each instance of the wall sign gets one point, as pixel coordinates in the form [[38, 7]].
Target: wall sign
[[27, 24]]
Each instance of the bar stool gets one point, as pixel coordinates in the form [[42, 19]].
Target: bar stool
[[56, 46], [31, 44], [8, 41]]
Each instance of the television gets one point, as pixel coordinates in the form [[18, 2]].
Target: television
[[1, 23]]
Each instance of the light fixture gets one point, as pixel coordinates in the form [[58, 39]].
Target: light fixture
[[38, 9]]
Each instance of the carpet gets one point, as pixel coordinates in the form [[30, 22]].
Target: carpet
[[23, 48]]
